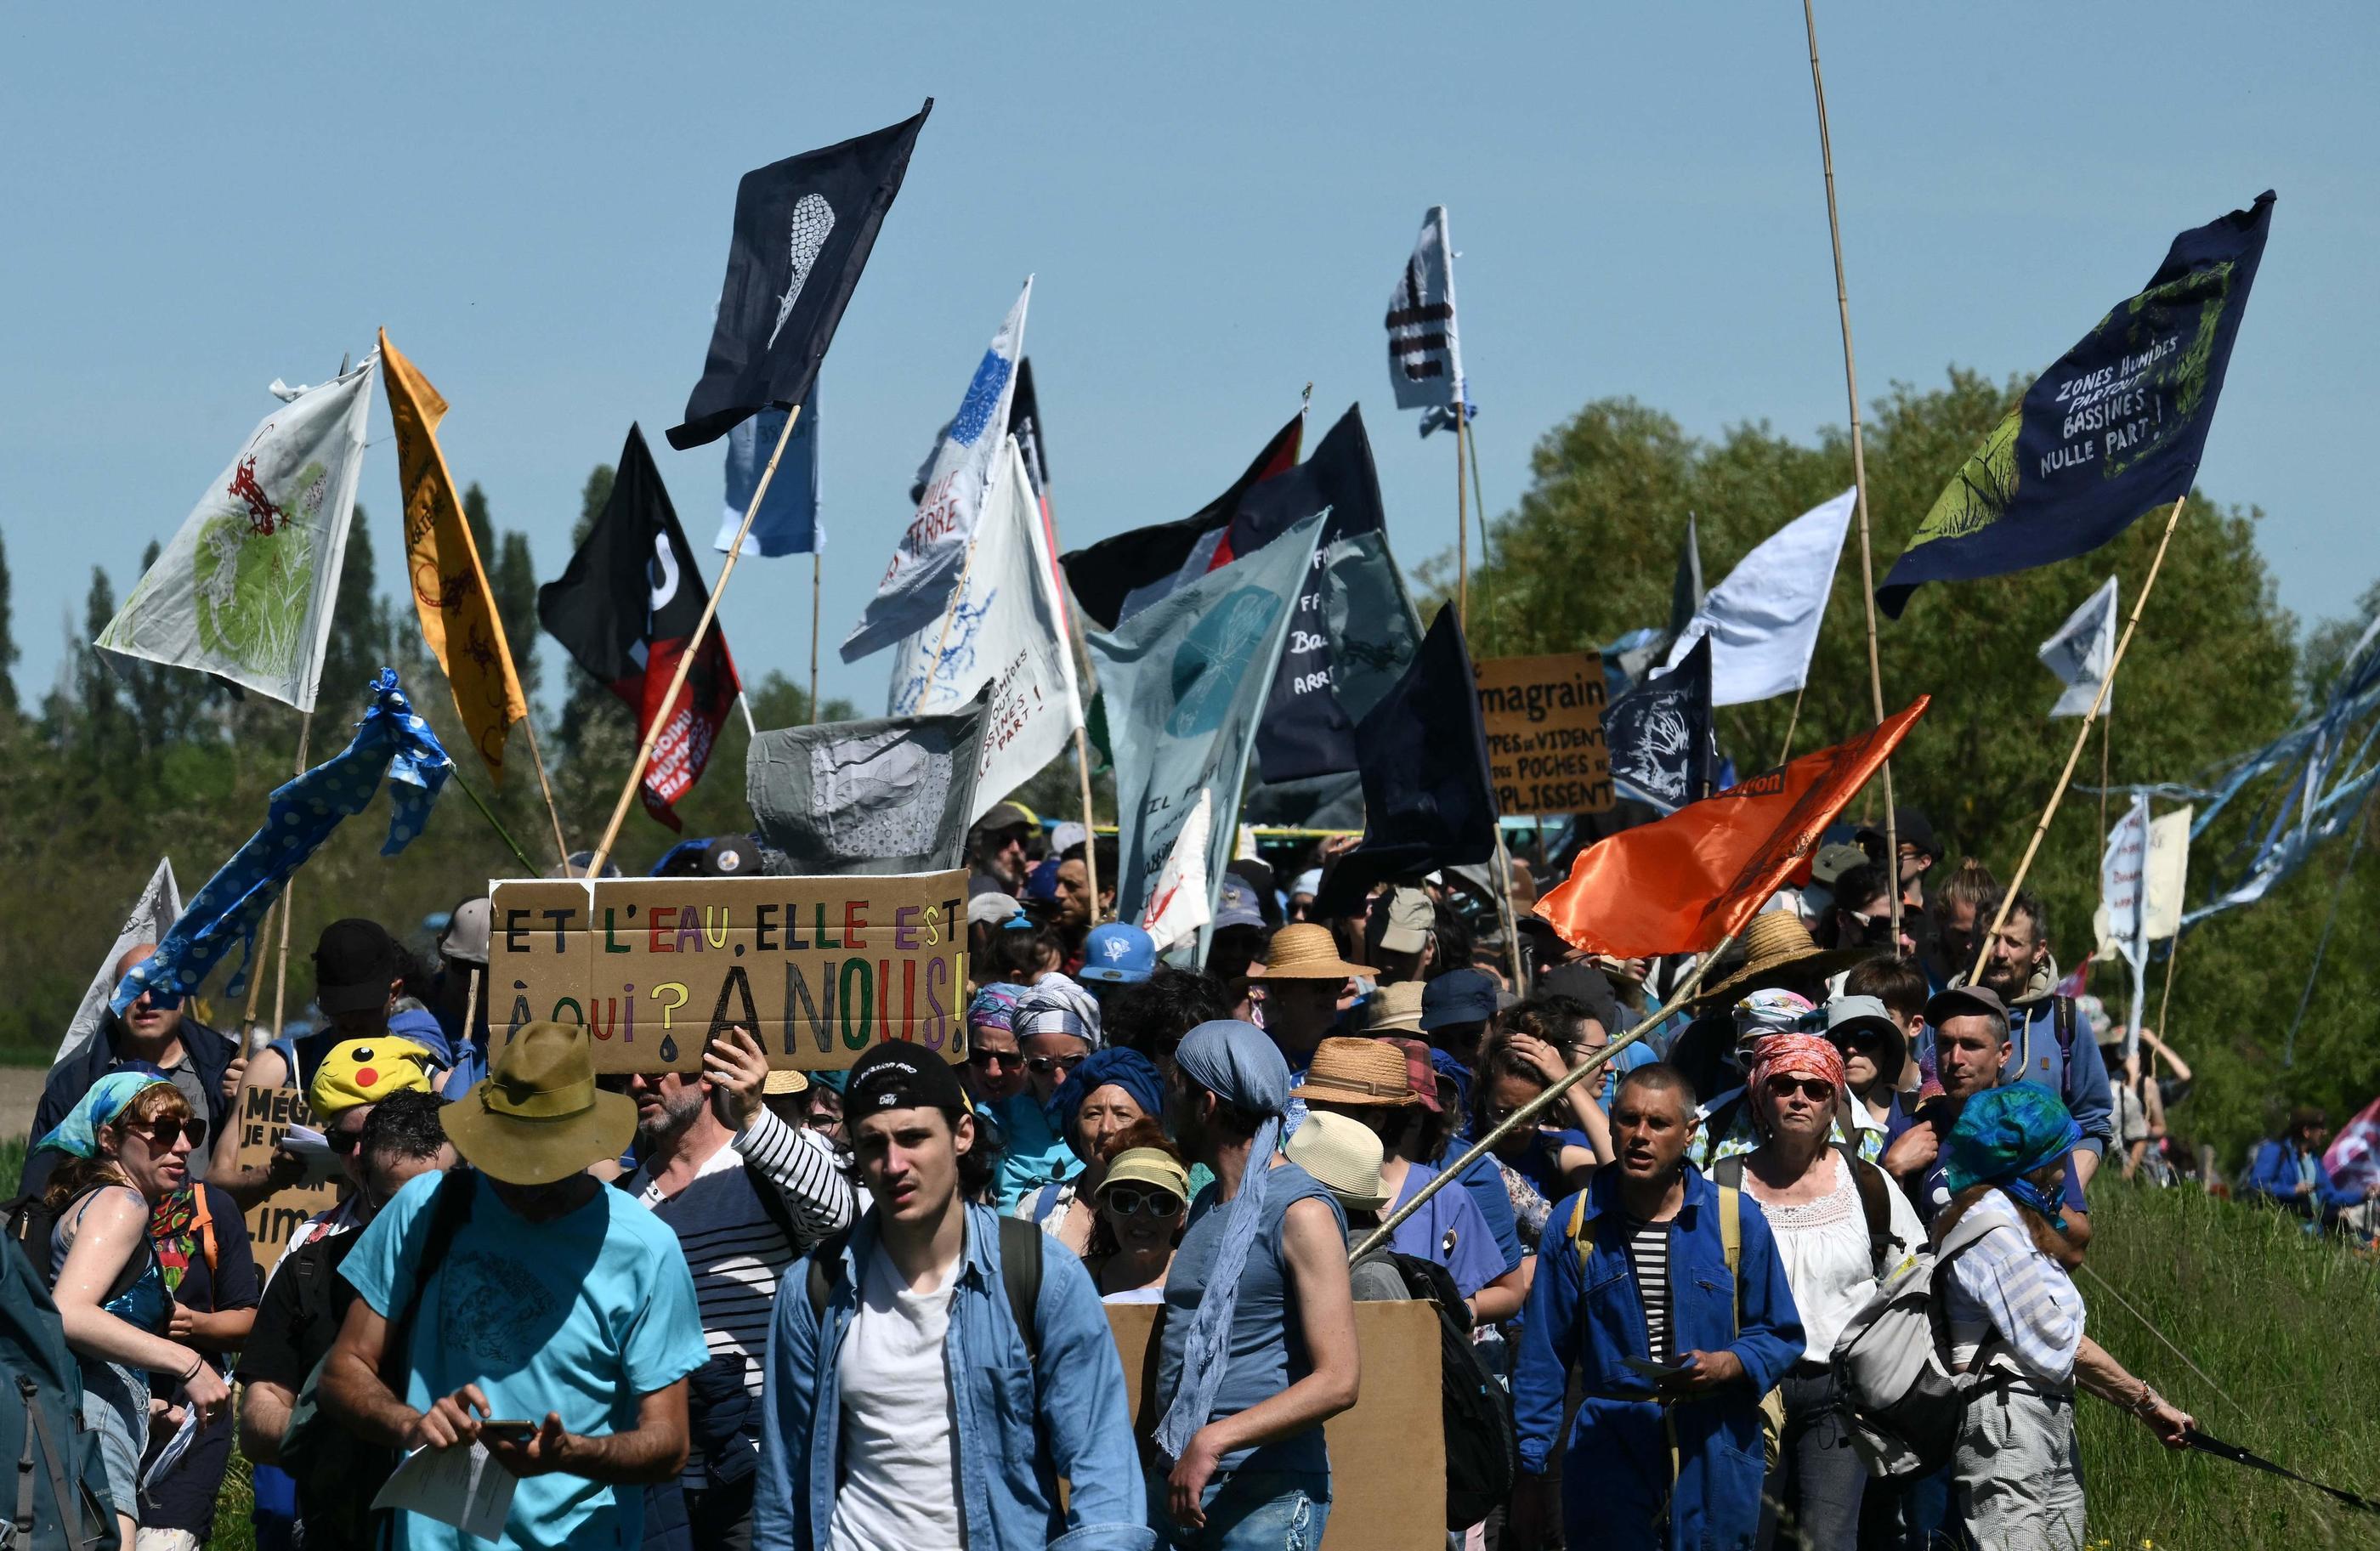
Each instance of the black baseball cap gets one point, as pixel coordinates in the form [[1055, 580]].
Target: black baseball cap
[[1910, 827], [354, 961], [899, 1074]]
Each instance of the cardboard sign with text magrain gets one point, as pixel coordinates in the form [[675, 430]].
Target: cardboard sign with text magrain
[[1544, 721], [265, 1117], [820, 968]]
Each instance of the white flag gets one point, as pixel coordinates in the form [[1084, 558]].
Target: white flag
[[1425, 355], [926, 564], [2082, 652], [2167, 879], [244, 590], [1178, 901], [2124, 897], [1763, 621], [1003, 629], [151, 917]]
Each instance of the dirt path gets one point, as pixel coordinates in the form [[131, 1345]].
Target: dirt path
[[20, 1089]]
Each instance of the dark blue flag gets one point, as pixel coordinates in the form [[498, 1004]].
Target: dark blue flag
[[2114, 428], [804, 228], [1658, 735], [1428, 803]]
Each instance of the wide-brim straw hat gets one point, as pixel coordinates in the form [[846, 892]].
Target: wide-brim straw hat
[[1775, 939], [784, 1080], [1305, 951], [1343, 1155], [538, 1115], [1363, 1072]]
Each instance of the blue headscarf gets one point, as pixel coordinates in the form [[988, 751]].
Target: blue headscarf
[[1055, 1004], [77, 1134], [1128, 1070], [2005, 1134], [1237, 1063]]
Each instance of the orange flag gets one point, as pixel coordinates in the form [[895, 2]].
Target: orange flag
[[450, 587], [1684, 883]]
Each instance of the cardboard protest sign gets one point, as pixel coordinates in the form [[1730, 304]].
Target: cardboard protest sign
[[1544, 717], [820, 968], [1402, 1467], [265, 1116]]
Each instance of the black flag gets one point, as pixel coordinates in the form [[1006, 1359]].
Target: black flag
[[1118, 577], [625, 607], [804, 227], [1658, 735], [1428, 803]]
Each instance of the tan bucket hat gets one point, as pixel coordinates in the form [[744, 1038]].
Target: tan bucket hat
[[1303, 951], [537, 1117], [1343, 1155], [1353, 1070], [1396, 1009]]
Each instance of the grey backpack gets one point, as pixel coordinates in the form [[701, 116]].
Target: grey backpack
[[1902, 1402]]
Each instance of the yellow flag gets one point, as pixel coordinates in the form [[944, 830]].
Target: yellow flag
[[450, 587]]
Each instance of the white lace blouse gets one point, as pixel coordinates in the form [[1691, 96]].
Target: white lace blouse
[[1824, 1246]]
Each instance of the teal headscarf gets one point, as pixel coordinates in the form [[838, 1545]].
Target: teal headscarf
[[2005, 1134], [77, 1134]]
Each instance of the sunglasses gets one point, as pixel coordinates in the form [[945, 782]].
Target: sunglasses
[[1808, 1087], [1047, 1064], [981, 1058], [1133, 1202], [164, 1134], [342, 1141]]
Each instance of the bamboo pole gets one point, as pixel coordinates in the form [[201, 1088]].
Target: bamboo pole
[[693, 649], [1527, 1113], [1503, 878], [2074, 755], [1462, 517], [2165, 998], [814, 625], [528, 868], [249, 1043], [1786, 754], [1487, 558], [1090, 835], [1859, 461], [289, 896], [561, 846]]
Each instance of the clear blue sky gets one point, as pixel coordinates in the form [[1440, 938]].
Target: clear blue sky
[[534, 199]]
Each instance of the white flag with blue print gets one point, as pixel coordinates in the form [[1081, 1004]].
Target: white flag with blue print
[[2082, 652], [927, 563]]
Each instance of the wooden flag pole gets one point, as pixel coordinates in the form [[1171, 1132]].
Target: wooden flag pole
[[1859, 463], [1527, 1113], [2074, 755], [693, 648], [288, 896], [1461, 519], [1090, 835], [1792, 722], [528, 868], [814, 624], [249, 1043], [561, 846]]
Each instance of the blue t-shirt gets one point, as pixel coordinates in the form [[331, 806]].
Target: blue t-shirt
[[1267, 1346], [1540, 1161], [579, 1315], [1032, 1153], [1447, 1230]]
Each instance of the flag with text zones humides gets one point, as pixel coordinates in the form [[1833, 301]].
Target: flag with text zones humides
[[625, 607], [2112, 429], [804, 227]]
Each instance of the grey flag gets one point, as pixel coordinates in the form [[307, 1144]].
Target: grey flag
[[892, 794]]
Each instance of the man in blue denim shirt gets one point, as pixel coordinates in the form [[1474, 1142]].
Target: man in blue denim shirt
[[1674, 1353], [910, 1410]]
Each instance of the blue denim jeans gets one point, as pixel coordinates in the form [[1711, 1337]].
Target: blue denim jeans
[[1247, 1510]]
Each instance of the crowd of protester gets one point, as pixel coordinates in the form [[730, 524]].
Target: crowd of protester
[[833, 1310]]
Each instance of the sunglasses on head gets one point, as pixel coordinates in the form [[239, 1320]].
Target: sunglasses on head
[[1808, 1087], [164, 1134], [1047, 1064], [1132, 1201], [980, 1058]]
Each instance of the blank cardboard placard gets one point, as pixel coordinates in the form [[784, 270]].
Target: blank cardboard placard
[[820, 968], [263, 1117], [1388, 1454], [1544, 721]]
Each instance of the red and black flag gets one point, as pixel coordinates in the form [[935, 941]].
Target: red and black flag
[[625, 607]]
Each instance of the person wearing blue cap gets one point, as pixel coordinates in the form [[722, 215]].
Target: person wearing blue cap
[[1116, 953], [1259, 1340], [1237, 938]]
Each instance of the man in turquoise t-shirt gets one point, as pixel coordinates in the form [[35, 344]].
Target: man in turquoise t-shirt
[[525, 1291]]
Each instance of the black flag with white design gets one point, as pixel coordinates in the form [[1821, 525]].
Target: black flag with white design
[[625, 607], [804, 228]]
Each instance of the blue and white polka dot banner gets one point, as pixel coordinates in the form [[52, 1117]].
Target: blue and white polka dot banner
[[391, 742]]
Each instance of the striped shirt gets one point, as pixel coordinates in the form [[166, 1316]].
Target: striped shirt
[[2005, 1293], [1648, 1257], [734, 1245]]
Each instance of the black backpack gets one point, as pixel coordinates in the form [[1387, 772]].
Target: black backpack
[[60, 1502], [1483, 1446]]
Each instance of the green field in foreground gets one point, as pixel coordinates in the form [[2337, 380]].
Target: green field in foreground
[[2286, 1328]]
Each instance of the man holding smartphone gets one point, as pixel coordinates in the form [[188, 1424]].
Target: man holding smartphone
[[1666, 1293]]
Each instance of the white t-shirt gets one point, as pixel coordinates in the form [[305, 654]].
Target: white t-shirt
[[900, 1430], [1823, 1245]]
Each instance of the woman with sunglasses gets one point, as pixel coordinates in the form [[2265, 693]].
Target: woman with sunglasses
[[1032, 1153], [1109, 1093], [1824, 1205], [128, 1145], [1141, 1198]]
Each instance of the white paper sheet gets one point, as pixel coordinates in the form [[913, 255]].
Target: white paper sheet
[[461, 1487]]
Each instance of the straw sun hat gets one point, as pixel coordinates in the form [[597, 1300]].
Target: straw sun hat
[[1305, 951], [1774, 940], [1357, 1070]]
